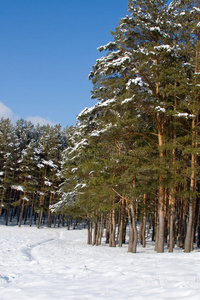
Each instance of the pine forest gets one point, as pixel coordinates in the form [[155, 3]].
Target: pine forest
[[131, 164]]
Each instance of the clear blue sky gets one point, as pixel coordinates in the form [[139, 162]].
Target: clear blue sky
[[47, 49]]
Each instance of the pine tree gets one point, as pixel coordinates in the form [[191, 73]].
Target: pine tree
[[8, 163], [50, 144], [149, 65], [139, 68]]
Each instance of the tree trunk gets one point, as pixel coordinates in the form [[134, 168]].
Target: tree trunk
[[21, 213], [161, 194], [31, 216], [133, 234], [108, 229], [94, 234], [198, 230], [140, 230], [144, 221], [63, 221], [41, 203], [40, 218], [154, 222], [98, 238], [89, 232], [7, 214], [49, 211], [54, 222], [192, 199], [161, 218], [134, 222], [188, 238], [102, 225], [171, 221], [2, 198], [121, 227], [112, 230], [11, 214], [60, 219]]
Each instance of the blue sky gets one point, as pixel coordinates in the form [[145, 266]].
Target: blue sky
[[47, 49]]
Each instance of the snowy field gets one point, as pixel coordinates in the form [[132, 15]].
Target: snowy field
[[58, 264]]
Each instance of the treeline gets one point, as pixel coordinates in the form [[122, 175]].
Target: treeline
[[135, 154], [30, 164]]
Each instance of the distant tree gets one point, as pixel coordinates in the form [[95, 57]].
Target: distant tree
[[8, 156]]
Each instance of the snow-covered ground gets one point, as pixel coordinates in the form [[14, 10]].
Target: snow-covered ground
[[54, 263]]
